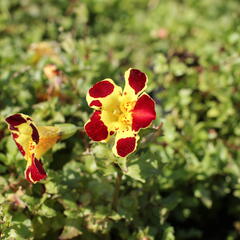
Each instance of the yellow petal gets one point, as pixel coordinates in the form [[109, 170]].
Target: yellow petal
[[48, 137], [24, 133]]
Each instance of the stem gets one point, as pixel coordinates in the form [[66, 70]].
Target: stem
[[151, 137], [116, 190]]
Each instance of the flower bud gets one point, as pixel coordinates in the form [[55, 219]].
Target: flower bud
[[66, 130]]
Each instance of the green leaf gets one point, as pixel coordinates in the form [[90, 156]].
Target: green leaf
[[90, 163], [134, 171], [46, 211], [168, 233], [71, 229]]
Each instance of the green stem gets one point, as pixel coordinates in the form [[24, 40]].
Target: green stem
[[116, 190]]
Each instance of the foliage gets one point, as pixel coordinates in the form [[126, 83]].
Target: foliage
[[183, 182]]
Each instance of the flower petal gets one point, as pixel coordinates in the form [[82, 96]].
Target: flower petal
[[51, 71], [125, 143], [35, 135], [104, 95], [95, 128], [35, 172], [15, 120], [95, 103], [20, 147], [32, 142], [143, 113], [24, 132], [101, 89], [48, 137], [135, 82]]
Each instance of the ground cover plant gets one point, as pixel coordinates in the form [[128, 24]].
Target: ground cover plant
[[182, 182]]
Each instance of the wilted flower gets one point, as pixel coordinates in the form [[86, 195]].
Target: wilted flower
[[56, 79], [33, 141], [45, 49], [120, 112]]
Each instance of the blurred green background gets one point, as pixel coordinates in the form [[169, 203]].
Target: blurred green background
[[184, 180]]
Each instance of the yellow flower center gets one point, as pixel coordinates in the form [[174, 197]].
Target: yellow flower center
[[122, 115], [125, 116], [119, 116]]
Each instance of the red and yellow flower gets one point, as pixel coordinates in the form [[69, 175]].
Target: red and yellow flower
[[32, 141], [120, 112]]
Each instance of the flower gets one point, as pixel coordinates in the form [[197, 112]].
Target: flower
[[50, 50], [120, 112], [56, 79], [32, 141]]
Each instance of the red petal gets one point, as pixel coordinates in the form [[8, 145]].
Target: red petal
[[15, 120], [96, 103], [35, 135], [125, 146], [35, 172], [20, 148], [143, 112], [96, 129], [15, 135], [101, 89], [137, 80]]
